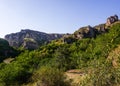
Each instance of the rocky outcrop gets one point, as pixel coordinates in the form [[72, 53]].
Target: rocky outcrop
[[68, 38], [111, 20], [85, 32], [30, 44], [99, 29], [91, 32], [30, 39]]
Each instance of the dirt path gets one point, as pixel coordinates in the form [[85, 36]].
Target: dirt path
[[75, 75]]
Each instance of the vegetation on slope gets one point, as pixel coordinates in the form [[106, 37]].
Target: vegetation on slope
[[46, 65], [6, 51]]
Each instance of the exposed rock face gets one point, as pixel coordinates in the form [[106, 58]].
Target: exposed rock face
[[91, 32], [68, 38], [30, 39], [111, 20], [99, 29], [30, 44], [85, 32]]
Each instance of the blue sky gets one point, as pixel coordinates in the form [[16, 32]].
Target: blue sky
[[54, 16]]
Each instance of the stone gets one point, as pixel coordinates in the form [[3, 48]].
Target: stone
[[68, 38], [85, 32], [111, 20]]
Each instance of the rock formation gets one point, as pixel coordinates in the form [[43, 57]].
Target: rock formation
[[30, 44], [99, 29], [85, 32], [68, 38], [91, 32], [111, 20], [30, 39]]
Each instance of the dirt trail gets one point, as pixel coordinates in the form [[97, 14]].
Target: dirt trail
[[75, 75]]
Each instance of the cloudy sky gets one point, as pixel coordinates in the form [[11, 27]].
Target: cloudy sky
[[54, 16]]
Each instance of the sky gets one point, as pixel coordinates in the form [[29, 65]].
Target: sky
[[54, 16]]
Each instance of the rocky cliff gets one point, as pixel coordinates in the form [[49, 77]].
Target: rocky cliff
[[91, 32], [30, 39]]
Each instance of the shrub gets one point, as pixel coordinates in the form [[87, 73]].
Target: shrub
[[104, 75], [48, 76]]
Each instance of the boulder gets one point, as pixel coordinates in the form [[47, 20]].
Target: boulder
[[111, 20], [85, 32]]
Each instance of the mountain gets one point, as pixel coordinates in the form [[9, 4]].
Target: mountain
[[91, 32], [88, 57], [30, 39]]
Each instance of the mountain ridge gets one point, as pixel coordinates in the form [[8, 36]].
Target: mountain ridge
[[30, 39], [91, 32], [87, 61]]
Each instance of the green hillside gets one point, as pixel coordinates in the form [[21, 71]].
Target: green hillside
[[6, 51], [93, 60]]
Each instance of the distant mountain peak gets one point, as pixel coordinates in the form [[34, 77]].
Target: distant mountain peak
[[31, 39], [25, 36]]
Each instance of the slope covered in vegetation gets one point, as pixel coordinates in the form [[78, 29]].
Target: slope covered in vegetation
[[6, 51], [47, 65]]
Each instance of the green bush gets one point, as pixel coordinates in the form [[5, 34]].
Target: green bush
[[48, 76], [103, 75]]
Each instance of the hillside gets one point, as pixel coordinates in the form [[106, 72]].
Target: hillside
[[91, 32], [6, 51], [87, 61], [30, 39]]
